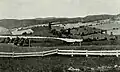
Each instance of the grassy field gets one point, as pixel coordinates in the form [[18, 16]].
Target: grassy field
[[12, 48], [110, 25], [41, 31], [56, 63]]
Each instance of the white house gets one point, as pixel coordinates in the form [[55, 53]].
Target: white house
[[20, 32]]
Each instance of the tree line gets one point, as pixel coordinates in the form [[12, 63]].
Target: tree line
[[16, 41]]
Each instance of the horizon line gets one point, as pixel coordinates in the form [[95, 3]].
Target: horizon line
[[56, 16]]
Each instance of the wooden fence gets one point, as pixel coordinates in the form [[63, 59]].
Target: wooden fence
[[62, 52], [86, 52], [28, 54]]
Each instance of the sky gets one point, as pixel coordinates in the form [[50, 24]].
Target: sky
[[56, 8]]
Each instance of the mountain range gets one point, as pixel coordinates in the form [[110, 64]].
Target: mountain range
[[15, 23]]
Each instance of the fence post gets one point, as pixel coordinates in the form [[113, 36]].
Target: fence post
[[42, 53], [117, 53], [72, 54], [57, 51], [36, 54], [13, 54], [101, 53], [86, 53]]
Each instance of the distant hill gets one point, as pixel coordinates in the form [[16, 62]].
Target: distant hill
[[14, 23], [92, 18]]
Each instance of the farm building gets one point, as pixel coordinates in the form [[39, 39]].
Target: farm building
[[4, 31], [20, 32]]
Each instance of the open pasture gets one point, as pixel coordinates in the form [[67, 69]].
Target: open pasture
[[58, 64]]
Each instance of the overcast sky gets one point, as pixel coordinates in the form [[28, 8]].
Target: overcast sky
[[58, 8]]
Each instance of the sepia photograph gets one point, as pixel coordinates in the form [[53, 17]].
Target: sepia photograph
[[59, 35]]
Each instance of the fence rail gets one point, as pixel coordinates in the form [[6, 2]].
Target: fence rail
[[62, 52]]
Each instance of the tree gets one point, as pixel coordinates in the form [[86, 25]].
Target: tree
[[49, 25], [25, 33], [21, 42], [69, 30], [16, 41], [53, 31], [82, 34], [7, 40], [63, 31], [27, 41], [59, 34], [111, 33]]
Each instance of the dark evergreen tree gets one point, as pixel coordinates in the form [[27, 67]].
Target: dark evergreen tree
[[63, 31], [69, 30], [49, 25], [25, 33]]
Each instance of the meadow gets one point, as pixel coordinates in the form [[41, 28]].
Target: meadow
[[13, 48], [57, 63]]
